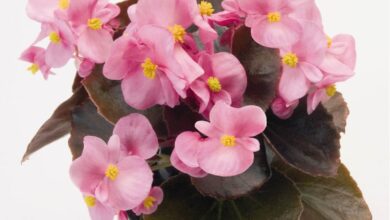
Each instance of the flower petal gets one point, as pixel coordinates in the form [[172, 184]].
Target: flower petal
[[137, 136], [186, 148], [179, 165], [311, 72], [95, 45], [293, 85]]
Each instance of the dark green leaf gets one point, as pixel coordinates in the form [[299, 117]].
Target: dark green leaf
[[310, 143], [86, 121], [236, 186], [277, 199], [57, 126], [262, 66]]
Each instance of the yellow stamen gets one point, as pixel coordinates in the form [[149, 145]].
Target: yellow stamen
[[178, 32], [291, 60], [95, 24], [329, 40], [63, 4], [331, 90], [206, 8], [274, 17], [214, 84], [149, 202], [228, 140], [112, 172], [149, 68], [90, 201], [34, 68], [54, 37]]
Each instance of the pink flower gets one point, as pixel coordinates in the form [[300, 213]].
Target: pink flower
[[46, 10], [231, 15], [120, 182], [228, 150], [301, 64], [90, 19], [36, 56], [84, 67], [175, 16], [61, 46], [150, 204], [224, 80], [274, 23], [146, 67], [137, 136], [98, 210], [195, 171], [281, 109], [338, 66]]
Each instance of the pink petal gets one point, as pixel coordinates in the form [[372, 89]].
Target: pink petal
[[247, 121], [101, 212], [89, 169], [311, 72], [275, 35], [250, 6], [42, 10], [187, 146], [31, 53], [137, 136], [231, 75], [191, 70], [57, 55], [95, 44], [314, 99], [80, 11], [132, 185], [206, 33], [147, 95], [179, 165], [156, 193], [114, 144], [202, 93], [116, 67], [224, 161], [208, 129], [293, 85], [281, 109], [343, 47], [250, 144]]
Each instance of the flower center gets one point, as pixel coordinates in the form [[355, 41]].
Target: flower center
[[214, 84], [331, 90], [228, 140], [206, 8], [291, 60], [112, 172], [63, 4], [149, 202], [54, 37], [34, 68], [95, 23], [274, 17], [329, 41], [149, 68], [90, 201], [178, 32]]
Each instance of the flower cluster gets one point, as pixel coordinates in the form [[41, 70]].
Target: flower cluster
[[115, 176], [167, 56]]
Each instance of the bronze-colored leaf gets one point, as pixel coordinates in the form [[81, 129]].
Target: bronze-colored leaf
[[262, 66], [86, 121], [237, 186], [338, 108], [107, 96], [57, 126], [310, 143], [277, 199], [324, 198]]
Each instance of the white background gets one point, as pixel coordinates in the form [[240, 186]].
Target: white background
[[41, 188]]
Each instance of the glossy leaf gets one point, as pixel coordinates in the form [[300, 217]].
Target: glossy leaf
[[338, 108], [236, 186], [57, 126], [336, 198], [277, 199], [310, 143], [262, 66], [107, 96], [86, 121]]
